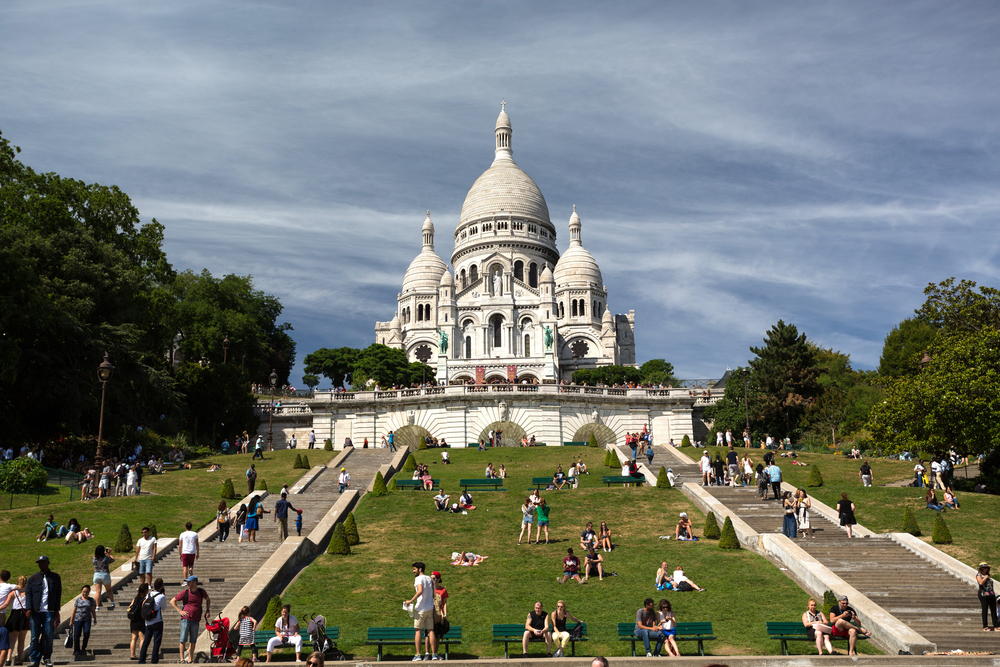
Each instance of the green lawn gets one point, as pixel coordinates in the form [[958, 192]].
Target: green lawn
[[174, 498], [368, 587], [973, 528]]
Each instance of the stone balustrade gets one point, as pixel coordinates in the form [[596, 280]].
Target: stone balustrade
[[506, 389]]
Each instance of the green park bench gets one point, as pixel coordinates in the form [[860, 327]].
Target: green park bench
[[261, 637], [416, 484], [483, 484], [508, 633], [404, 637], [699, 631], [793, 631], [622, 479], [541, 482], [581, 443]]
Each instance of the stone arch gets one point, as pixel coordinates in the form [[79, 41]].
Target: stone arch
[[462, 379], [496, 378], [473, 274], [512, 433], [519, 270], [604, 435], [410, 436], [530, 377], [533, 275]]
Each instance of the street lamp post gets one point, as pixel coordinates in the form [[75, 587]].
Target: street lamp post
[[225, 349], [745, 372], [104, 372], [273, 379]]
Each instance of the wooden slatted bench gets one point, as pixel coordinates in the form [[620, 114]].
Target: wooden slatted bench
[[416, 483], [404, 637], [699, 631], [794, 631], [582, 443], [483, 484], [622, 479], [508, 633], [261, 637]]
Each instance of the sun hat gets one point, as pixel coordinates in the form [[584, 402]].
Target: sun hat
[[684, 514]]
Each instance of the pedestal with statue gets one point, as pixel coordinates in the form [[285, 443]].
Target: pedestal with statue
[[442, 364], [550, 373]]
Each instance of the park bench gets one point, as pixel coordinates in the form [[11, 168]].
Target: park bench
[[542, 482], [622, 479], [483, 484], [507, 633], [794, 631], [581, 443], [415, 483], [699, 631], [261, 637], [404, 637]]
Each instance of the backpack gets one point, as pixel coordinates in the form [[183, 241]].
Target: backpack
[[149, 608], [134, 609]]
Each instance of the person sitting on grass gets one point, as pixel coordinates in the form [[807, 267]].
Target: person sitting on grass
[[536, 627], [49, 531], [588, 538], [664, 582], [682, 583], [683, 531], [846, 624], [441, 500], [931, 499], [571, 568], [581, 467], [465, 501], [559, 479], [593, 563], [949, 499]]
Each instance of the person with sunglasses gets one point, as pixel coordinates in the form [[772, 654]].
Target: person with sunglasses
[[315, 659], [557, 619]]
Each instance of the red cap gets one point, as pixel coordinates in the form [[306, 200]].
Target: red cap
[[436, 574]]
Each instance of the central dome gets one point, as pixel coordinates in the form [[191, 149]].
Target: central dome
[[504, 190]]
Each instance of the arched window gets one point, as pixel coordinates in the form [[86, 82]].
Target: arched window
[[527, 345], [497, 322], [583, 307], [468, 347], [420, 312], [533, 275], [519, 270], [562, 310], [473, 274], [574, 308], [600, 309], [464, 279]]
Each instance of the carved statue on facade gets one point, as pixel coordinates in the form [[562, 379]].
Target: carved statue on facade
[[548, 338], [497, 284], [443, 341]]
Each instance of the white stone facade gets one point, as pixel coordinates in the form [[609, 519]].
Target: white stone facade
[[509, 288]]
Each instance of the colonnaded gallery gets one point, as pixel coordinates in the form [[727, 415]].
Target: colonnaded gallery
[[514, 309]]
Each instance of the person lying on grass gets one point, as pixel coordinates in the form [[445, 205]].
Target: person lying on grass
[[468, 558], [682, 583]]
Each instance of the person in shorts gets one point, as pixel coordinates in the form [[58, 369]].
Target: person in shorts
[[846, 624], [423, 612], [196, 604], [145, 554], [190, 550], [571, 568]]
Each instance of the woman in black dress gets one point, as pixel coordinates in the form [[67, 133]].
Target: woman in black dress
[[845, 508], [137, 625]]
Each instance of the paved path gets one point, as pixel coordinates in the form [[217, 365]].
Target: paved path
[[932, 601], [223, 568]]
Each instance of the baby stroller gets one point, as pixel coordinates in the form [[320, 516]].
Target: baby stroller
[[222, 646], [320, 642]]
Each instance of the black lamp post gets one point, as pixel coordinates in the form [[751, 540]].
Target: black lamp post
[[225, 349], [745, 372], [104, 372], [273, 379]]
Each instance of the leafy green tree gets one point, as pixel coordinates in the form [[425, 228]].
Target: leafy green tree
[[310, 380], [328, 445], [305, 462], [785, 378], [593, 441], [273, 612], [662, 481], [815, 478], [22, 476], [658, 371], [609, 375], [411, 463], [337, 365], [904, 346], [960, 308], [298, 462], [685, 441]]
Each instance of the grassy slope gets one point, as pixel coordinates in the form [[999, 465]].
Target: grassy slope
[[175, 498], [368, 587], [974, 527]]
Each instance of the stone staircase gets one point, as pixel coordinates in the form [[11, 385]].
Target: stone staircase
[[223, 569], [932, 601]]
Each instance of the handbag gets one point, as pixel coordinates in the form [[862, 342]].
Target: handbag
[[69, 638]]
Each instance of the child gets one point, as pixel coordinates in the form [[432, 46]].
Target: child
[[246, 625], [298, 522]]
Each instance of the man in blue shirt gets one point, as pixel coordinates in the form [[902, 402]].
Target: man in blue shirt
[[281, 516], [774, 472], [392, 446]]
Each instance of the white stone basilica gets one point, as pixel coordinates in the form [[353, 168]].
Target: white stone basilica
[[514, 309]]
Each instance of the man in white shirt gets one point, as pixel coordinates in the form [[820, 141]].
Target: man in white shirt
[[312, 439], [190, 549], [671, 476], [145, 554], [706, 468], [344, 480], [423, 611], [718, 438]]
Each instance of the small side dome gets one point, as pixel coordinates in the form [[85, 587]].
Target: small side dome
[[546, 276], [425, 270], [606, 318], [577, 266], [446, 279], [428, 225], [503, 120], [394, 322]]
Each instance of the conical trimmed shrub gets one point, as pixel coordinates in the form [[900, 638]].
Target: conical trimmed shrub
[[593, 440], [661, 479], [422, 444], [305, 462], [124, 542], [328, 445], [228, 492], [152, 530], [262, 485], [685, 441], [298, 462], [411, 463], [273, 611], [338, 543], [815, 478], [351, 530], [941, 534], [910, 523], [613, 461], [829, 602], [607, 453], [728, 538], [711, 531], [392, 483], [378, 488]]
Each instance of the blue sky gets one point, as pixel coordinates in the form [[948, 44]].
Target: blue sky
[[733, 163]]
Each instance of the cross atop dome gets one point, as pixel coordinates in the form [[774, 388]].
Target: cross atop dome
[[503, 106]]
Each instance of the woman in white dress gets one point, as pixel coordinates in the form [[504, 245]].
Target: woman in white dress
[[802, 505]]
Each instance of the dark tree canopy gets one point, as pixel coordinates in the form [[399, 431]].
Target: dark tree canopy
[[785, 378], [904, 346]]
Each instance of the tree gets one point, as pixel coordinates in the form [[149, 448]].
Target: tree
[[262, 485], [593, 441], [273, 612], [711, 531], [337, 365], [124, 542], [685, 441], [608, 375], [22, 475], [658, 371], [386, 367], [338, 542], [328, 445], [815, 478], [351, 530], [298, 462], [940, 534], [378, 488], [910, 523], [228, 492], [785, 377], [728, 539], [411, 463], [904, 346], [305, 462], [952, 402], [662, 481], [960, 308], [310, 380]]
